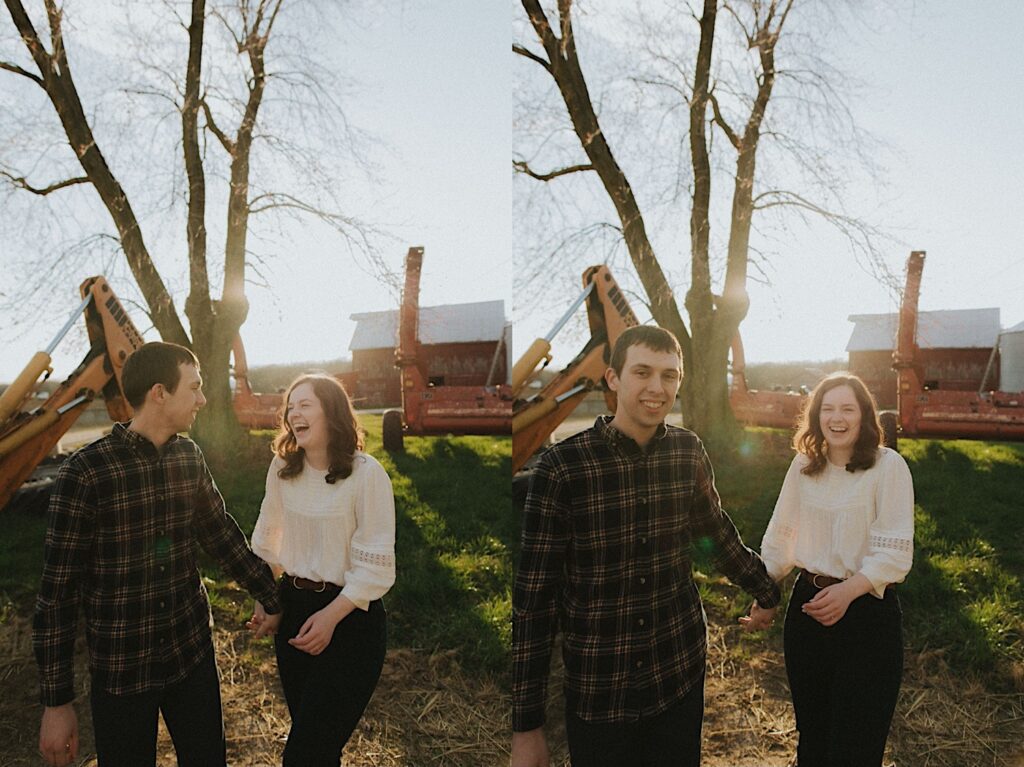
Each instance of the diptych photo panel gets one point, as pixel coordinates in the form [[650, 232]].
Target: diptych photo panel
[[392, 385]]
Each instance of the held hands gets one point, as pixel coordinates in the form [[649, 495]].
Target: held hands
[[317, 631], [831, 603], [262, 624], [58, 735], [760, 618]]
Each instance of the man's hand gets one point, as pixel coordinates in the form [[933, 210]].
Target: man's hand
[[530, 749], [261, 623], [58, 735], [759, 619]]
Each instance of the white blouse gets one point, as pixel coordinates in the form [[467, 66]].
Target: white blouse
[[840, 523], [342, 533]]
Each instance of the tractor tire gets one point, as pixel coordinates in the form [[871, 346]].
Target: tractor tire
[[393, 434], [890, 421]]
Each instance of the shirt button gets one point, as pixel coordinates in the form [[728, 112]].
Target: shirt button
[[643, 539], [639, 663], [643, 501], [642, 579], [641, 621], [162, 604], [162, 568]]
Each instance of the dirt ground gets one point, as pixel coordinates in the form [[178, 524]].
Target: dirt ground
[[428, 712]]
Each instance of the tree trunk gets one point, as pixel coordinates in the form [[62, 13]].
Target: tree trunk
[[60, 87], [705, 393]]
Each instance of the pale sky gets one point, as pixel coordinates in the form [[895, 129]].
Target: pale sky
[[430, 83], [433, 82], [942, 90]]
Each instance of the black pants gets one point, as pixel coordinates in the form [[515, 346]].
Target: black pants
[[844, 679], [327, 693], [125, 725], [670, 739]]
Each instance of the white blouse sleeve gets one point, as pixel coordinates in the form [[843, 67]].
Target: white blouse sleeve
[[268, 534], [778, 547], [372, 553], [890, 551]]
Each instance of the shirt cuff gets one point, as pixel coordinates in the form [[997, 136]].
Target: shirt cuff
[[58, 697], [770, 598], [360, 602], [527, 719]]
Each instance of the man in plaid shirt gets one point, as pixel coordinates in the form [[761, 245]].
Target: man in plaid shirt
[[609, 522], [125, 518]]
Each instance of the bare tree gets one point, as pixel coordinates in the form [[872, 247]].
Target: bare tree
[[714, 317], [206, 111]]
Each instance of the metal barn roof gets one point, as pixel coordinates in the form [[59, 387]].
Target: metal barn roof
[[944, 329], [447, 324]]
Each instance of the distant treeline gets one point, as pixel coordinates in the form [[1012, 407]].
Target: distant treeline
[[262, 378], [271, 378], [790, 375], [760, 375]]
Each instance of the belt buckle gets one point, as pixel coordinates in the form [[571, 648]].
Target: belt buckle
[[814, 580], [295, 583]]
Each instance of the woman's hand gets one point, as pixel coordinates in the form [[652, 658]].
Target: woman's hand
[[759, 619], [831, 603], [318, 630]]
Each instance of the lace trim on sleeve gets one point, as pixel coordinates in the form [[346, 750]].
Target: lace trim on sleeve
[[894, 544], [373, 558]]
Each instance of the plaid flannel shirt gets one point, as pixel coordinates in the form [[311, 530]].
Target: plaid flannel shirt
[[607, 536], [124, 521]]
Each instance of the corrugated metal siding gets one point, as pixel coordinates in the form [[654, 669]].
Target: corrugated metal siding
[[1011, 349], [451, 323], [957, 369], [447, 365], [945, 329]]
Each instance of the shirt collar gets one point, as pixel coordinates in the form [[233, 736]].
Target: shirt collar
[[138, 443], [624, 443]]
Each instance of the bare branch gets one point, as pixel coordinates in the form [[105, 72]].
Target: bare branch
[[720, 121], [521, 166], [222, 137], [24, 73], [522, 51], [21, 182]]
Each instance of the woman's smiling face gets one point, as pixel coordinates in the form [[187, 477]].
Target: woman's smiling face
[[840, 418], [306, 418]]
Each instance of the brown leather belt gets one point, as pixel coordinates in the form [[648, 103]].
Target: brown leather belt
[[819, 581], [306, 584]]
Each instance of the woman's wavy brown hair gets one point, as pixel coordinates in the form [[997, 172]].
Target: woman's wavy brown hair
[[810, 440], [344, 434]]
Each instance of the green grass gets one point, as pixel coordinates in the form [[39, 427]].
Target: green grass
[[455, 531], [458, 535]]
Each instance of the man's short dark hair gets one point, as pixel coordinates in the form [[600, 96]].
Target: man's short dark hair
[[154, 363], [654, 338]]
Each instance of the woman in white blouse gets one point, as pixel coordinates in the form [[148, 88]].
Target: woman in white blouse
[[327, 525], [845, 518]]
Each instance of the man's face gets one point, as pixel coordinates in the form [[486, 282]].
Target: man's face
[[180, 408], [646, 388]]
